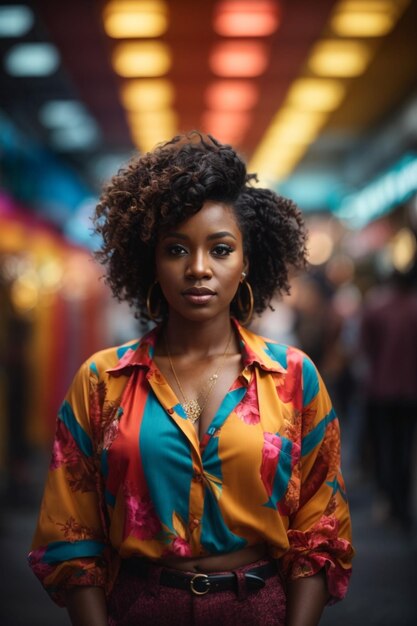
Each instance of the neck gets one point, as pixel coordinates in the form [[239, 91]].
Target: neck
[[198, 339]]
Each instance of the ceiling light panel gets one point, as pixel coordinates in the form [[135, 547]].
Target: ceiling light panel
[[147, 95], [239, 59], [15, 20], [32, 59], [135, 19], [153, 119], [81, 137], [226, 123], [141, 59], [362, 24], [295, 126], [63, 113], [236, 95], [317, 94], [339, 58], [233, 18], [147, 131], [352, 18]]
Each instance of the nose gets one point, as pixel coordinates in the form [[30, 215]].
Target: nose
[[198, 265]]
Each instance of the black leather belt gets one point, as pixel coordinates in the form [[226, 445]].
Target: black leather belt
[[200, 584]]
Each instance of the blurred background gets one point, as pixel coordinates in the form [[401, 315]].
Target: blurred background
[[320, 98]]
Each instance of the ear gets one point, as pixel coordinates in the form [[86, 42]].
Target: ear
[[245, 266]]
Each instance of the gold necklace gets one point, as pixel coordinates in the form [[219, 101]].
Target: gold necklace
[[194, 408]]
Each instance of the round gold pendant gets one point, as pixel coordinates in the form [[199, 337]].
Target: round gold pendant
[[193, 410]]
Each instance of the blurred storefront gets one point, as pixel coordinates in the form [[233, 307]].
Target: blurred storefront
[[51, 311]]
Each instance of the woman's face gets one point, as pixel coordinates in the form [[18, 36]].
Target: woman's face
[[199, 263]]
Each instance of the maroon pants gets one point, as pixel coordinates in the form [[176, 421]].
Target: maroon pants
[[138, 601]]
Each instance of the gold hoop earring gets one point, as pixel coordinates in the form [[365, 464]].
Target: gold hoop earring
[[246, 311], [153, 315]]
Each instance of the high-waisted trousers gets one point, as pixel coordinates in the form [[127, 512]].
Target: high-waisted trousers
[[142, 601]]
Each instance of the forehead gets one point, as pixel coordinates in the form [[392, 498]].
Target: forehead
[[213, 216]]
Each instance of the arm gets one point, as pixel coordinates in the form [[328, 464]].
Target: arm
[[306, 598], [70, 547], [319, 530], [86, 606]]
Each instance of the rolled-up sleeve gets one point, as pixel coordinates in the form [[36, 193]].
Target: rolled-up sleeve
[[319, 533], [70, 546]]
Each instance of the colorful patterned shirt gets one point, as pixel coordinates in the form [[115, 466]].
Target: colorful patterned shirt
[[130, 477]]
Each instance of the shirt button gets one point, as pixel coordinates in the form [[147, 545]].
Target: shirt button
[[170, 411], [196, 521]]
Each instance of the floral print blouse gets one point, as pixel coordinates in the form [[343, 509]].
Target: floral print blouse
[[129, 476]]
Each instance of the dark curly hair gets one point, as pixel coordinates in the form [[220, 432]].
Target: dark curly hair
[[160, 189]]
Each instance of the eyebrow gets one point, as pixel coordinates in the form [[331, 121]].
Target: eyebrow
[[221, 234]]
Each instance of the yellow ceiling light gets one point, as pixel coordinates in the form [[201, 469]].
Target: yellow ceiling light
[[147, 95], [147, 138], [124, 19], [150, 128], [392, 7], [339, 58], [141, 59], [274, 159], [362, 24], [165, 118], [316, 94], [295, 126], [353, 18]]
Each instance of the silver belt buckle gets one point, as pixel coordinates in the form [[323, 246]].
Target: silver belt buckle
[[197, 580]]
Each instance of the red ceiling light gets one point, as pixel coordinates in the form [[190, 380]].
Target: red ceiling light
[[234, 18], [229, 126], [239, 59], [236, 95]]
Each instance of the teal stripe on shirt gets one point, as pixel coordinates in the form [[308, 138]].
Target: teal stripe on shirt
[[314, 437], [121, 351], [216, 537], [83, 441], [67, 550], [283, 471], [163, 445], [277, 352], [311, 385]]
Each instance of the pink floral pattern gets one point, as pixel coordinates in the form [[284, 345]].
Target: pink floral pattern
[[180, 547], [290, 386], [270, 457], [142, 521], [318, 548], [64, 451], [41, 569], [248, 409]]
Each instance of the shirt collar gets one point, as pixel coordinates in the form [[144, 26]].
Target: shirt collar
[[255, 350]]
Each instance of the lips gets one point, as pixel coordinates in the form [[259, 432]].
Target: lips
[[199, 291], [198, 296]]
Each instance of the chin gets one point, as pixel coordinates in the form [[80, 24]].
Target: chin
[[199, 314]]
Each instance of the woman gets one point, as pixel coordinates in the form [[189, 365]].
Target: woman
[[195, 474]]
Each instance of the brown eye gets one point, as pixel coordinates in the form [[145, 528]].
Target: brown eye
[[222, 250], [176, 250]]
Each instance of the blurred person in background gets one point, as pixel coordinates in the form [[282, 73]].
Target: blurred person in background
[[195, 475], [319, 329], [389, 344]]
